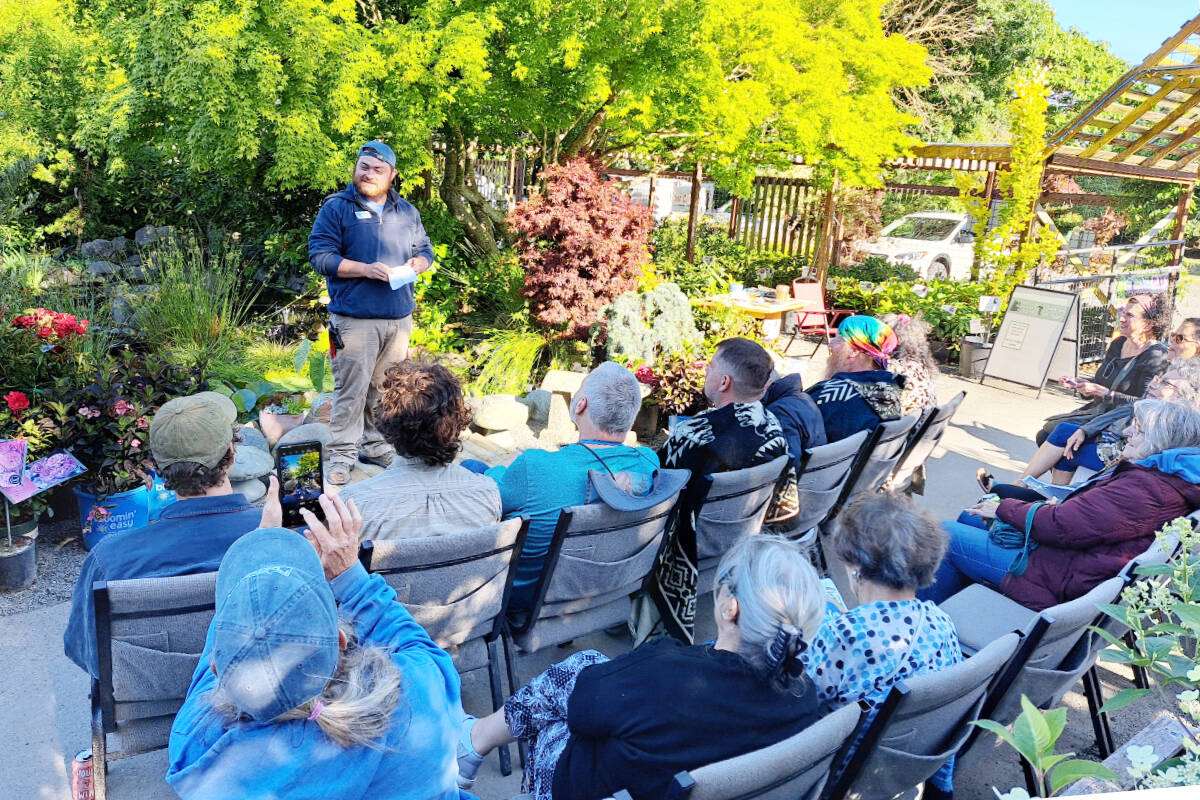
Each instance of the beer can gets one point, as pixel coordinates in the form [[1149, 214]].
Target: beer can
[[81, 776]]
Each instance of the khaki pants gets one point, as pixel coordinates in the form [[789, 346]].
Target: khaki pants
[[370, 347]]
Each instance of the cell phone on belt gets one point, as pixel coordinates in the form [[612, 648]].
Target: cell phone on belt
[[300, 467]]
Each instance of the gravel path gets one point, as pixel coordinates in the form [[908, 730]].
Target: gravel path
[[60, 555]]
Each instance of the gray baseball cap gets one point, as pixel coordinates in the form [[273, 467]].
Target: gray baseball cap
[[197, 428]]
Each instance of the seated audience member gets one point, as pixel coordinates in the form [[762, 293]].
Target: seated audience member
[[595, 726], [1072, 446], [912, 359], [314, 681], [540, 484], [797, 414], [1091, 534], [422, 492], [192, 442], [892, 548], [737, 432], [1131, 361], [859, 392]]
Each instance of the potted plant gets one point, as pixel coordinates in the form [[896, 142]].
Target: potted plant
[[107, 428], [280, 414], [38, 424]]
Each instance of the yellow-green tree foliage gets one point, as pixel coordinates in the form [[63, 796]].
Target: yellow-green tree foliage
[[1010, 249]]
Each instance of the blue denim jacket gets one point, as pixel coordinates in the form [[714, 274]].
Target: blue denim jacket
[[191, 536], [347, 228], [213, 758]]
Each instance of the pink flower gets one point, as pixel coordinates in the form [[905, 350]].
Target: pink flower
[[89, 413], [17, 402], [98, 513], [134, 443], [123, 408], [141, 422]]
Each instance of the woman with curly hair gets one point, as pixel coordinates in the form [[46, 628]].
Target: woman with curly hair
[[913, 360], [422, 492]]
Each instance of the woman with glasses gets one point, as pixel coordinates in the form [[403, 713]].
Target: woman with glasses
[[1088, 536], [1132, 359], [1098, 442], [596, 726]]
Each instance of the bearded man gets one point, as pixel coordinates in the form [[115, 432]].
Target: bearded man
[[858, 392], [369, 244]]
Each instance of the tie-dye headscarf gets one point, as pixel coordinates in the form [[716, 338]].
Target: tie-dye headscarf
[[869, 335]]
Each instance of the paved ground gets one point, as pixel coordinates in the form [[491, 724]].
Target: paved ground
[[43, 697]]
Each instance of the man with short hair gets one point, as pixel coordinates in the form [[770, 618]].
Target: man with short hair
[[736, 433], [192, 441], [369, 243], [541, 484], [858, 392]]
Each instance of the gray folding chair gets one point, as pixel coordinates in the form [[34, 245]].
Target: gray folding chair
[[922, 443], [919, 727], [1056, 651], [149, 636], [457, 588], [824, 471], [734, 506], [876, 464], [597, 558], [794, 769]]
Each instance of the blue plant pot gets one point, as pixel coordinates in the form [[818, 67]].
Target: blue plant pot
[[126, 511]]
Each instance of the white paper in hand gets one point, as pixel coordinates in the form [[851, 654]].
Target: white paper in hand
[[401, 276]]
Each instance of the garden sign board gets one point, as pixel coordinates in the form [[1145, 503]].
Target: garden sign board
[[1039, 335]]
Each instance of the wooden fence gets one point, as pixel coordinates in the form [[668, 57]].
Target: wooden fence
[[786, 215]]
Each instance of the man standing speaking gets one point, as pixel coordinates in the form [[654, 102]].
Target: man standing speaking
[[369, 244]]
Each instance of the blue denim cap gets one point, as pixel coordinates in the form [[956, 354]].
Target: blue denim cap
[[275, 631], [378, 150]]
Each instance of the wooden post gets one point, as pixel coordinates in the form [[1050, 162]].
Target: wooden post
[[693, 208], [650, 194], [734, 208], [826, 244], [1181, 215]]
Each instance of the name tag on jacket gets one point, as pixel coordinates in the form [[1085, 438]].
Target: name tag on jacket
[[362, 214]]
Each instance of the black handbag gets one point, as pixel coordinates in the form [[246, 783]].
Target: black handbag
[[1004, 535]]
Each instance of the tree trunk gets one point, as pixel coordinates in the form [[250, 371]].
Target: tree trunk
[[454, 188]]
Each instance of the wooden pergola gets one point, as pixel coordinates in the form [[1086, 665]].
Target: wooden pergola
[[1146, 126]]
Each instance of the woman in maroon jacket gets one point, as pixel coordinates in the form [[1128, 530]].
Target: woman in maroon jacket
[[1093, 532]]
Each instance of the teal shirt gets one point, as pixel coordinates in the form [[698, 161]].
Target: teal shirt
[[540, 484]]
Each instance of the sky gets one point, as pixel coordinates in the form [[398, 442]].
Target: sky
[[1133, 28]]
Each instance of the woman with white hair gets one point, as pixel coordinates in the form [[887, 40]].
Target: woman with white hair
[[314, 682], [1091, 534], [596, 726]]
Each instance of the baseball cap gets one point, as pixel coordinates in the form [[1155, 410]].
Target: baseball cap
[[196, 428], [275, 631], [379, 150]]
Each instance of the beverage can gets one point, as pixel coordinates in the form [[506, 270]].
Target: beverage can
[[81, 776]]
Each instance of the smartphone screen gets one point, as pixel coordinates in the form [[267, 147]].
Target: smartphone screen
[[300, 467]]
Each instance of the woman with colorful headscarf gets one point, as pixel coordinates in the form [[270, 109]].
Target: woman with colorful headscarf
[[859, 392]]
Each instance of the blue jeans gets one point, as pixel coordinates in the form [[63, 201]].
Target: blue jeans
[[475, 465], [1085, 456], [972, 558]]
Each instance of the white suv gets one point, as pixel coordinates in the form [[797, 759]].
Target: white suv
[[935, 244]]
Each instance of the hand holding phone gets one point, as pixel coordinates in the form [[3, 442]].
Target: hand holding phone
[[300, 468]]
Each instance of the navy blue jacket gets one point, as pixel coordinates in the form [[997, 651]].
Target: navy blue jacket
[[191, 536], [347, 228], [798, 415], [857, 401]]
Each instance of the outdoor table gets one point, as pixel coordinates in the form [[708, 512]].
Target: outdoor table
[[767, 309]]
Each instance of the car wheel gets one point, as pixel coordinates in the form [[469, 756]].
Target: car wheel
[[938, 271]]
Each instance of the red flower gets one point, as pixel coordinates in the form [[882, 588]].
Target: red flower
[[17, 402], [45, 333]]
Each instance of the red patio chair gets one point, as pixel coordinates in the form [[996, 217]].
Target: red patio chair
[[815, 318]]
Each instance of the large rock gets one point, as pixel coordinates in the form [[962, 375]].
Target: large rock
[[560, 380], [99, 249], [254, 489], [501, 412], [99, 268], [313, 431], [148, 235], [558, 416], [250, 463], [119, 244], [539, 405], [252, 437]]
